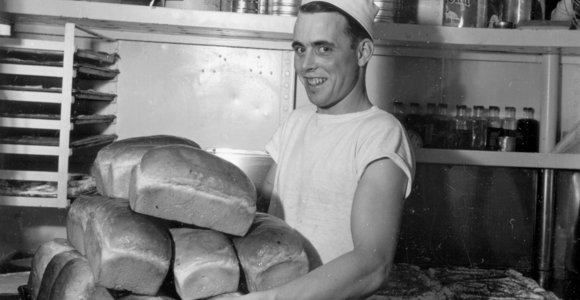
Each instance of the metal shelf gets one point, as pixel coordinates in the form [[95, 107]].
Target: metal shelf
[[142, 22], [498, 159]]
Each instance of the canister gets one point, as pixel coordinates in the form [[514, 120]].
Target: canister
[[465, 13]]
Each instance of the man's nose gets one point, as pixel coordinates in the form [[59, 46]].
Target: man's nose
[[308, 61]]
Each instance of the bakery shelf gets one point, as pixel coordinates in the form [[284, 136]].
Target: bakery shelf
[[499, 159], [124, 20], [39, 90], [31, 201], [28, 175], [30, 95], [30, 123], [29, 150], [31, 70]]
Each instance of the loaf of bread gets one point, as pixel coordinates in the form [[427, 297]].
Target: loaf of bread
[[205, 263], [40, 261], [126, 250], [113, 164], [271, 254], [52, 271], [76, 282], [195, 187]]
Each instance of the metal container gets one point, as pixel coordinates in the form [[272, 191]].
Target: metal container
[[254, 163], [567, 240]]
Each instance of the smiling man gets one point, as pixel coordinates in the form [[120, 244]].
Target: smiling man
[[343, 167]]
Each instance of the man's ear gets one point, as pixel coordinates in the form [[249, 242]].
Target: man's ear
[[366, 48]]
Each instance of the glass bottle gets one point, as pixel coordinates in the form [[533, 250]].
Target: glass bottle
[[399, 111], [461, 136], [528, 132], [478, 129], [442, 128], [508, 133], [493, 128], [429, 126], [414, 119]]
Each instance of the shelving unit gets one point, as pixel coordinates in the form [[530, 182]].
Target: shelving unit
[[54, 71]]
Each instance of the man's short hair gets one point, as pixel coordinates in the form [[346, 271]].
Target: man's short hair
[[354, 29]]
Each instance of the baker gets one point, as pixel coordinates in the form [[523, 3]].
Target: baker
[[343, 166]]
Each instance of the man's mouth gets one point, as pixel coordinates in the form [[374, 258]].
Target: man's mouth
[[314, 82]]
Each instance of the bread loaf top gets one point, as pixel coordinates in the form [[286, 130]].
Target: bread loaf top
[[121, 156], [122, 228], [268, 242], [109, 151], [205, 172]]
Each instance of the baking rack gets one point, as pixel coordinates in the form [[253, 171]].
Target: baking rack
[[50, 75]]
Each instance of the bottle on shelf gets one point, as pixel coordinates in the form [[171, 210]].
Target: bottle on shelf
[[461, 134], [493, 128], [508, 134], [414, 119], [442, 129], [429, 125], [528, 130], [399, 111], [478, 126]]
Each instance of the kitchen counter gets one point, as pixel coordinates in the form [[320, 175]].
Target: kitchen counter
[[9, 284]]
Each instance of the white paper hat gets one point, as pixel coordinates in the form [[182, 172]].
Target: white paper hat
[[364, 11]]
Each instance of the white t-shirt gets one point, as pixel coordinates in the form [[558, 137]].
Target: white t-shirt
[[320, 161]]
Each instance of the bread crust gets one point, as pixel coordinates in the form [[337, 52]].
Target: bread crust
[[113, 164], [194, 187], [271, 254]]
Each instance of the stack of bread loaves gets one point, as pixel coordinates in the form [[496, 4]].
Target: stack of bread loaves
[[171, 221]]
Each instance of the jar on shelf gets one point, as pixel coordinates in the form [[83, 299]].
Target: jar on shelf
[[399, 111], [429, 125], [508, 134], [461, 133], [442, 129], [414, 119], [493, 128], [528, 130], [478, 128]]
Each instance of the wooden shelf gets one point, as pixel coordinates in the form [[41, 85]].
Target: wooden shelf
[[498, 159]]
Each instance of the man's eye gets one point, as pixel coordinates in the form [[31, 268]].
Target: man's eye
[[324, 49], [299, 50]]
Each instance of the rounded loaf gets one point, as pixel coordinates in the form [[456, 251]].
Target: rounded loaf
[[205, 263], [113, 164], [126, 250], [271, 254], [52, 271], [42, 257], [76, 282], [194, 187]]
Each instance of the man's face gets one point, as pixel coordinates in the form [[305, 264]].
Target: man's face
[[324, 59]]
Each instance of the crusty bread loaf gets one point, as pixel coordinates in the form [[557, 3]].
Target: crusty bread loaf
[[76, 282], [271, 254], [126, 250], [78, 216], [205, 263], [113, 164], [53, 268], [195, 187], [40, 261]]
